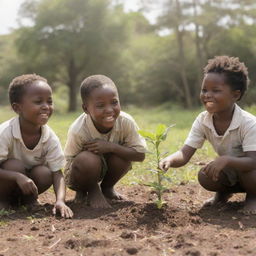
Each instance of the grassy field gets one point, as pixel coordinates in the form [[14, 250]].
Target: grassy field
[[147, 119]]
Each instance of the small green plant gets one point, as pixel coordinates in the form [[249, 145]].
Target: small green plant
[[155, 139], [4, 212]]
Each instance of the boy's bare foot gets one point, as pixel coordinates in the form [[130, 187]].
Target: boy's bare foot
[[31, 204], [219, 199], [96, 199], [249, 206], [112, 194], [80, 197]]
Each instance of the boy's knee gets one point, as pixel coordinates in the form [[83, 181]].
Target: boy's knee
[[211, 185], [114, 160], [14, 165], [41, 171], [86, 170], [248, 179], [42, 176], [206, 182], [201, 178], [86, 160], [251, 175]]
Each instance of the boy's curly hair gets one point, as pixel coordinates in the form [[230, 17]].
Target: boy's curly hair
[[92, 82], [19, 84], [235, 72]]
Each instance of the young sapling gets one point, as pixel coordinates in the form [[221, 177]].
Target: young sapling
[[156, 139]]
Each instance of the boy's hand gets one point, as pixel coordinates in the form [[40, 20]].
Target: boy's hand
[[27, 185], [64, 210], [165, 163], [213, 169], [98, 146]]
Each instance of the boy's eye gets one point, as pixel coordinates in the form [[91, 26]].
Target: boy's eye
[[114, 102], [203, 90], [100, 106], [37, 101]]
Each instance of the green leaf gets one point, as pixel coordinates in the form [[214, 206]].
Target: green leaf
[[167, 178], [166, 132], [152, 185], [160, 129], [148, 135], [161, 188]]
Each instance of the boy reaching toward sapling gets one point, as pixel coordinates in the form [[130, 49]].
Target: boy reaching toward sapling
[[101, 143], [230, 130], [31, 157]]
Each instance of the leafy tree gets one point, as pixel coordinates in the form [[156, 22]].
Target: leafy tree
[[10, 65], [71, 39], [198, 26]]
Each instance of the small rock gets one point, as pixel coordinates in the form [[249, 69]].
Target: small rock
[[34, 228], [132, 250], [11, 239], [127, 235]]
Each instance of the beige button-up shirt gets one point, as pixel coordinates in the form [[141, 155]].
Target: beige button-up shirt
[[47, 152], [124, 132], [238, 138]]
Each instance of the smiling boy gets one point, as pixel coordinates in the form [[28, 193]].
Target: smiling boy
[[31, 157], [101, 143], [230, 130]]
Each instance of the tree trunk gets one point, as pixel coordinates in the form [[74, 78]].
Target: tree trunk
[[72, 84], [179, 36], [199, 51]]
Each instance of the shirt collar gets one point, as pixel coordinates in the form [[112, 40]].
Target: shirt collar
[[17, 132], [235, 123], [94, 132]]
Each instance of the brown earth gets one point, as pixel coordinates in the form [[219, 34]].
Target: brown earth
[[134, 227]]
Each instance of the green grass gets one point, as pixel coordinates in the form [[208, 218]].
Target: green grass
[[147, 119]]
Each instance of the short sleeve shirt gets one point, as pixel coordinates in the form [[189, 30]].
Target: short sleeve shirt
[[124, 132], [47, 152], [239, 138]]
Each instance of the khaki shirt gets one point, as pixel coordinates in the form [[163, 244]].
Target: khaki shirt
[[124, 132], [238, 138], [47, 152]]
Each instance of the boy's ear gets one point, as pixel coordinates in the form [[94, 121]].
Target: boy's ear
[[84, 106], [16, 107], [237, 94]]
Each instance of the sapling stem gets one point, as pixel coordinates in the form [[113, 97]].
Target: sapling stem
[[155, 139]]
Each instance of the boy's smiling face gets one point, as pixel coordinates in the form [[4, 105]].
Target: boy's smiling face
[[103, 106], [36, 106], [216, 95]]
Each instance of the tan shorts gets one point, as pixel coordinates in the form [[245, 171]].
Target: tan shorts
[[67, 173]]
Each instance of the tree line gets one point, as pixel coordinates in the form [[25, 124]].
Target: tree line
[[151, 64]]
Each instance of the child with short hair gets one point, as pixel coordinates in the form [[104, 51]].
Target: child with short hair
[[31, 157], [101, 143], [230, 130]]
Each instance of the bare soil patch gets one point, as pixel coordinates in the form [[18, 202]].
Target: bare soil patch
[[133, 227]]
